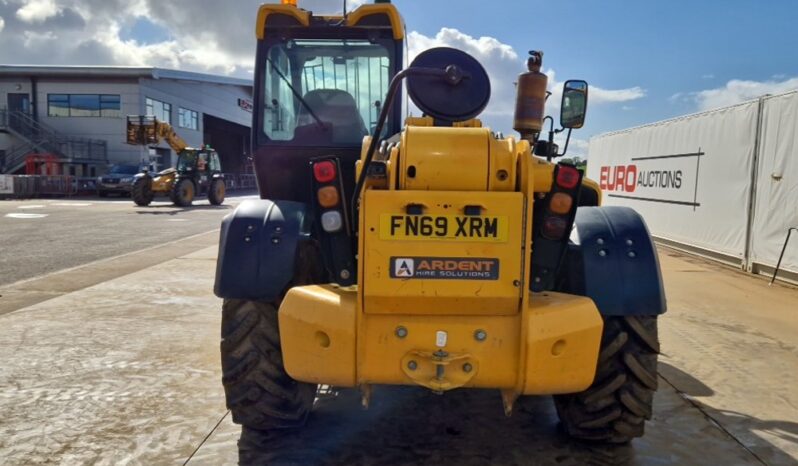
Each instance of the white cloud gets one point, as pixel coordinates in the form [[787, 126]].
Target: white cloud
[[36, 11], [601, 96], [500, 61], [736, 91], [576, 147], [503, 65], [218, 37], [215, 37], [2, 23]]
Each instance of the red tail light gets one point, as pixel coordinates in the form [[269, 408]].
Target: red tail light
[[324, 171], [567, 177]]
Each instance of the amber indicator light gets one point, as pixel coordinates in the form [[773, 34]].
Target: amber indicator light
[[328, 196]]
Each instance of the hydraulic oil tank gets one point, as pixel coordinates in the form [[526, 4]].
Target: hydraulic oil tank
[[530, 100]]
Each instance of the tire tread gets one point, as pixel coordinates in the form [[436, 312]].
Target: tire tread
[[614, 409]]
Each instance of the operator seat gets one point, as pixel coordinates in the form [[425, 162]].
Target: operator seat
[[338, 110]]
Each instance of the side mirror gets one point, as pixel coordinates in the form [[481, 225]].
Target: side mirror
[[574, 104]]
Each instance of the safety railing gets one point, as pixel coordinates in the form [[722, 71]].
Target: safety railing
[[239, 182], [42, 138], [31, 186]]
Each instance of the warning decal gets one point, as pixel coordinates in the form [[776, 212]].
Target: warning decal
[[444, 268]]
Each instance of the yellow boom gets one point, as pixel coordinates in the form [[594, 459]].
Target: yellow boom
[[147, 130]]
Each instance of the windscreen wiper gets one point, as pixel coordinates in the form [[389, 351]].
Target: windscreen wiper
[[296, 94]]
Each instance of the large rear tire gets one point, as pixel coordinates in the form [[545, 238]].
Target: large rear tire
[[183, 191], [259, 392], [142, 191], [216, 191], [614, 409]]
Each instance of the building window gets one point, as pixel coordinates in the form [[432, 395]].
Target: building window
[[84, 105], [110, 106], [58, 105], [188, 119], [160, 110]]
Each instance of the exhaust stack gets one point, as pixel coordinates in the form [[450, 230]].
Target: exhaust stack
[[531, 99]]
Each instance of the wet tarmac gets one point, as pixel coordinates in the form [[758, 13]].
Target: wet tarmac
[[126, 371], [39, 236]]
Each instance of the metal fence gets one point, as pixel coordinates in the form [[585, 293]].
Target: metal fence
[[31, 186], [235, 182], [27, 186]]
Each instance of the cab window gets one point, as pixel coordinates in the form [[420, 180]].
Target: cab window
[[216, 166], [324, 91]]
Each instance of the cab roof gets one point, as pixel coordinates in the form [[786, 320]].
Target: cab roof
[[371, 16]]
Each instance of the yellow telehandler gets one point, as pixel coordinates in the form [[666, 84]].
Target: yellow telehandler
[[198, 171], [425, 251]]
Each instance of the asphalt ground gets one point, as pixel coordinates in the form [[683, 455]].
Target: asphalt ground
[[116, 362], [41, 236]]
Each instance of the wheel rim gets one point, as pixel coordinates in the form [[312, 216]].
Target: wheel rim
[[219, 191], [187, 191]]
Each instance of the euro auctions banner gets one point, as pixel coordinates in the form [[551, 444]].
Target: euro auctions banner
[[667, 179], [690, 177]]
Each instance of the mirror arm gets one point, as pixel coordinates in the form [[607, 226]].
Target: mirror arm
[[551, 121], [567, 140]]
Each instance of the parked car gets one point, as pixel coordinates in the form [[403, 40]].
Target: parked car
[[119, 180]]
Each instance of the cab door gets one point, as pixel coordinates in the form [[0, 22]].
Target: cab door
[[203, 172]]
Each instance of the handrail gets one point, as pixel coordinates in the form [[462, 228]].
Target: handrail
[[43, 138]]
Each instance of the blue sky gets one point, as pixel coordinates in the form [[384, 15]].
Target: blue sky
[[670, 49], [645, 60]]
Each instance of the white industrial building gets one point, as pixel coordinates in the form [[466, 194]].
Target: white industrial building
[[78, 115]]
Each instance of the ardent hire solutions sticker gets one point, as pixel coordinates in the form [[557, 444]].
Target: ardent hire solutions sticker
[[445, 268]]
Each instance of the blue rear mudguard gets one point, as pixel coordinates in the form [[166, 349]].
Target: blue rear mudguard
[[258, 247], [612, 260]]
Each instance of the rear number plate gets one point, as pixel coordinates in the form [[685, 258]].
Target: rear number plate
[[482, 228]]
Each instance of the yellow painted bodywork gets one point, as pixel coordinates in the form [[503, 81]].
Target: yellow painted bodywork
[[427, 151], [321, 327], [386, 330], [144, 131], [163, 181], [383, 294], [317, 334], [282, 9], [353, 19], [397, 25], [593, 186]]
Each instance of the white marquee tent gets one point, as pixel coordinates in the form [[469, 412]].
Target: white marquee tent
[[724, 182]]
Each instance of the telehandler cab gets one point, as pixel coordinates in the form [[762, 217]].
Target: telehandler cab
[[198, 171], [435, 254]]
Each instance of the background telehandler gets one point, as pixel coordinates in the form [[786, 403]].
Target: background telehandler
[[198, 171], [428, 251]]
